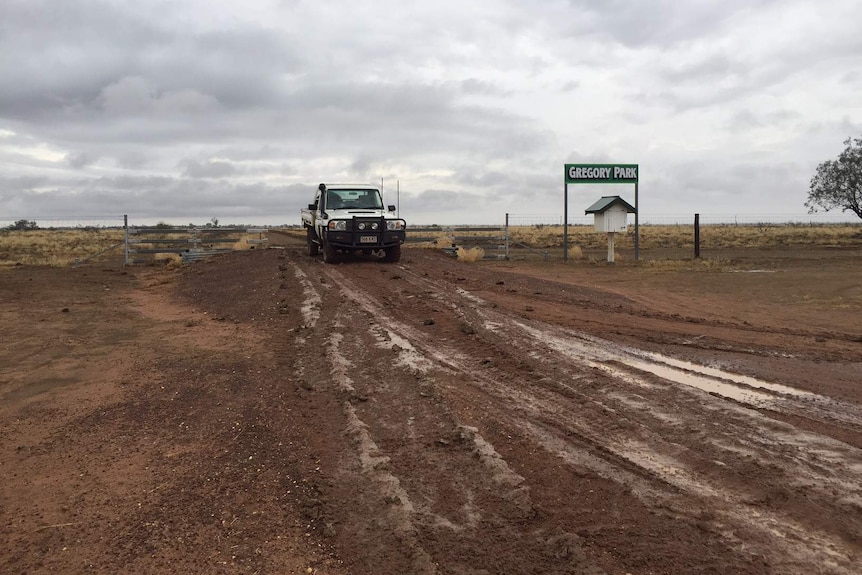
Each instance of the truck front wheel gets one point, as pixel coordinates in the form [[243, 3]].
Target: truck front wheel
[[313, 248], [393, 254], [330, 256]]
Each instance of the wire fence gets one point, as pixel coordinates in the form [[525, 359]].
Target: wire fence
[[75, 241], [112, 239], [688, 219], [537, 236]]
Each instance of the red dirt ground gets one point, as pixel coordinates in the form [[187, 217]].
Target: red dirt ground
[[263, 412]]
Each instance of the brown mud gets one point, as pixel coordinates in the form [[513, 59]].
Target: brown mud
[[263, 412]]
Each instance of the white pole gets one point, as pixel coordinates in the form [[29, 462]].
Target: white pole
[[610, 247]]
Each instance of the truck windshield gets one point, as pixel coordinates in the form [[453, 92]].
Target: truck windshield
[[346, 199]]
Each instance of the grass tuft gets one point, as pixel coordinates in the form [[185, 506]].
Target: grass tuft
[[169, 260], [470, 254]]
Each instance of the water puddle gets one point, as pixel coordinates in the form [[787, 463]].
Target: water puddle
[[736, 378], [595, 352], [704, 383]]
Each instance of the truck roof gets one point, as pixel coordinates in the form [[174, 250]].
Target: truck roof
[[350, 186]]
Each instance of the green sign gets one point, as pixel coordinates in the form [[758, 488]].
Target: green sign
[[601, 173]]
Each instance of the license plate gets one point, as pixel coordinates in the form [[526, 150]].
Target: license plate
[[367, 239]]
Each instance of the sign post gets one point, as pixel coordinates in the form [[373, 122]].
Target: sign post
[[598, 174]]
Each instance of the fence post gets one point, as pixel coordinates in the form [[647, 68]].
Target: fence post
[[126, 239], [696, 236], [507, 235]]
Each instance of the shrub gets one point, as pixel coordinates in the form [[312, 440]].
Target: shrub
[[470, 254], [23, 225], [575, 252]]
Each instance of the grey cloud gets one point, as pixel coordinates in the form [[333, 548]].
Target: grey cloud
[[147, 198], [745, 119], [709, 67], [731, 67], [12, 185], [361, 165], [517, 185], [119, 80], [79, 54], [474, 86], [207, 169], [652, 23], [136, 96], [80, 159], [570, 86], [70, 51], [382, 119], [201, 107], [485, 179], [741, 185], [333, 118], [441, 201], [852, 78], [131, 159]]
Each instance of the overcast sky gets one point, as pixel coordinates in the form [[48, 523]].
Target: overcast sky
[[187, 110]]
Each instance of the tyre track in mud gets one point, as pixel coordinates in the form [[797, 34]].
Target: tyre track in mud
[[760, 484], [419, 492], [448, 433], [551, 531]]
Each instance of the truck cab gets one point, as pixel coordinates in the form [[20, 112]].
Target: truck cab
[[351, 218]]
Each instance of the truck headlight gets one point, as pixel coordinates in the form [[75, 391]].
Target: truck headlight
[[392, 225], [337, 225]]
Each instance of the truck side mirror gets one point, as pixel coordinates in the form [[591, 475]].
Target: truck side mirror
[[312, 206], [391, 208]]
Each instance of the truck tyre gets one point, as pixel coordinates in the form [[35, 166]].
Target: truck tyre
[[393, 254], [313, 248], [330, 256]]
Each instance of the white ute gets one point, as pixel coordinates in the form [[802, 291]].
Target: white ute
[[351, 218]]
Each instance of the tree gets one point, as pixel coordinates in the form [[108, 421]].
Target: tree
[[23, 225], [838, 183]]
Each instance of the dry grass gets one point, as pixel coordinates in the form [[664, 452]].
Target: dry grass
[[780, 236], [247, 242], [64, 247], [57, 247], [682, 237], [169, 260], [70, 246], [576, 253], [470, 254], [656, 240]]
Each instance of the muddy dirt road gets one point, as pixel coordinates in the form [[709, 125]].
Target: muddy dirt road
[[266, 413]]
